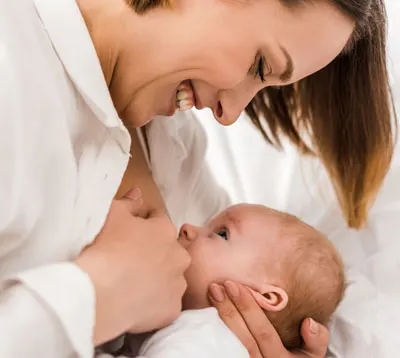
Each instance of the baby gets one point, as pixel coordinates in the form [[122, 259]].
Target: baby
[[292, 270]]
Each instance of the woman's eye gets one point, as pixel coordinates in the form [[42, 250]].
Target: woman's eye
[[260, 68], [223, 234]]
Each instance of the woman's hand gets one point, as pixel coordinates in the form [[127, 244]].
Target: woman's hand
[[245, 318], [136, 266]]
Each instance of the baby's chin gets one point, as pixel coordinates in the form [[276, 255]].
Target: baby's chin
[[195, 300]]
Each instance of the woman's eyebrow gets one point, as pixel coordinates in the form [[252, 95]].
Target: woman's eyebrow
[[287, 73]]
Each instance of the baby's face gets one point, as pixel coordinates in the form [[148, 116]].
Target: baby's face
[[240, 244]]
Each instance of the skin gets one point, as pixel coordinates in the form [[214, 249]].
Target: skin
[[215, 44], [241, 244], [242, 315]]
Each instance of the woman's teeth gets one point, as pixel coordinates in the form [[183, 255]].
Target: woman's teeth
[[184, 97]]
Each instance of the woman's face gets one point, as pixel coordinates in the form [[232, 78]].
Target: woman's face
[[228, 49]]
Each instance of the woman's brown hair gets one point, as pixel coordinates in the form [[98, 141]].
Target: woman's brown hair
[[345, 110]]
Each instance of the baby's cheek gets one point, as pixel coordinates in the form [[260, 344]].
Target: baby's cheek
[[203, 270], [198, 273], [195, 296]]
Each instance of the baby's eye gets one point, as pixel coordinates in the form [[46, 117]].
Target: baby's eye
[[223, 234]]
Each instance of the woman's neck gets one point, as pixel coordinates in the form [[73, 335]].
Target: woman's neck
[[101, 19]]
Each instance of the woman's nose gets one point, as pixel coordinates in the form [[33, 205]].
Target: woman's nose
[[232, 103], [189, 232]]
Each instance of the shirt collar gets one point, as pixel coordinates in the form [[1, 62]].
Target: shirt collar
[[71, 40]]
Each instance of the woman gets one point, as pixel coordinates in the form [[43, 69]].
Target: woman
[[70, 70]]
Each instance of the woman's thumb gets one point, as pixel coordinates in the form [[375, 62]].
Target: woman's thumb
[[134, 200], [316, 338]]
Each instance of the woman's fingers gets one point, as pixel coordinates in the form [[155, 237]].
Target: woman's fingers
[[263, 332], [316, 339], [233, 319], [134, 200], [246, 319]]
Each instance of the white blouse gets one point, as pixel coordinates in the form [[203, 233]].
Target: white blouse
[[63, 152]]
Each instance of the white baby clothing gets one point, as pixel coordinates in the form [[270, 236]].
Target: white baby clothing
[[195, 334]]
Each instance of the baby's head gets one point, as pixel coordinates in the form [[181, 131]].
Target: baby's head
[[292, 270]]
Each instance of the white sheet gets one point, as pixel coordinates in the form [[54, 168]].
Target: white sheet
[[240, 164]]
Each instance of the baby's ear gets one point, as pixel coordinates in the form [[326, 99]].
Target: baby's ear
[[271, 298]]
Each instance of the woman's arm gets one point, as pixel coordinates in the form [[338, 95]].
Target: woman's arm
[[40, 318], [138, 175]]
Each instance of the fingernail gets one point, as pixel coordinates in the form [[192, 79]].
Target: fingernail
[[232, 288], [217, 292], [314, 327], [134, 194]]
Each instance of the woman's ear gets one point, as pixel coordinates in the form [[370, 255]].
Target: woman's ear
[[271, 298]]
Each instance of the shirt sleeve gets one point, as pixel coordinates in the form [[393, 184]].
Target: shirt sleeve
[[39, 317]]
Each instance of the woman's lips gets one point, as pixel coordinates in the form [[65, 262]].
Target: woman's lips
[[197, 102]]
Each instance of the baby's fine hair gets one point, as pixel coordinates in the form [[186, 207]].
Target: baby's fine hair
[[313, 274]]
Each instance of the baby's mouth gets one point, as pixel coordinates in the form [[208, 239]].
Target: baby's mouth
[[185, 97]]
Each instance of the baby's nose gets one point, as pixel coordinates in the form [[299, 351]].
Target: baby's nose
[[188, 231]]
